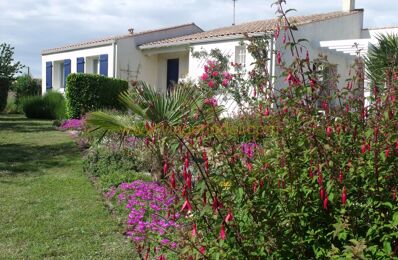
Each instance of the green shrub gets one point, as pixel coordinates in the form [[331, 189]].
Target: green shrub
[[26, 86], [13, 108], [85, 93], [112, 167], [49, 106]]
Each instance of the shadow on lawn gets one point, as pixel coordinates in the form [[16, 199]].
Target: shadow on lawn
[[21, 124], [17, 159]]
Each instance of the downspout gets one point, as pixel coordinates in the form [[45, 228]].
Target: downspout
[[272, 61], [114, 46]]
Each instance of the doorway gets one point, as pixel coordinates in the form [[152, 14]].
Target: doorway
[[172, 73]]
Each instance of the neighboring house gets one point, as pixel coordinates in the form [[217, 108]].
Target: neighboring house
[[168, 58]]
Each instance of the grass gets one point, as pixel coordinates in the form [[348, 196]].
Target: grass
[[48, 207]]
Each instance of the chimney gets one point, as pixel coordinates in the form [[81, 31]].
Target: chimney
[[131, 31], [348, 5]]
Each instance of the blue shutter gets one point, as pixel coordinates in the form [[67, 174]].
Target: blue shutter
[[80, 65], [104, 64], [67, 70], [49, 75]]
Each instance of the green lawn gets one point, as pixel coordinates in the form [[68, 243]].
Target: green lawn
[[48, 207]]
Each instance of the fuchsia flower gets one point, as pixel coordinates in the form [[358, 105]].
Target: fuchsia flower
[[215, 73], [329, 131], [266, 112], [173, 180], [165, 168], [202, 250], [322, 193], [326, 202], [279, 57], [186, 206], [222, 232], [229, 217], [387, 152], [194, 231], [344, 196]]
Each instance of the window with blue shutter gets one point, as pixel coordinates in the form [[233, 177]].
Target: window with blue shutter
[[67, 70], [80, 65], [103, 64], [49, 75]]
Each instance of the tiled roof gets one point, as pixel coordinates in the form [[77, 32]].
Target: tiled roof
[[239, 30], [109, 40]]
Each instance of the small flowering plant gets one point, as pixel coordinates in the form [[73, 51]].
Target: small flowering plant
[[152, 220], [73, 124]]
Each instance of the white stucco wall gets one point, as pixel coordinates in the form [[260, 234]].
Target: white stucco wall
[[58, 58], [346, 27], [196, 66]]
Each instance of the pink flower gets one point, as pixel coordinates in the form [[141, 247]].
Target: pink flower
[[205, 76], [222, 232], [211, 102], [279, 57], [194, 231], [322, 193], [202, 250], [207, 68], [173, 180], [165, 168], [344, 196], [225, 82], [341, 177], [229, 217], [227, 75], [325, 202], [215, 74], [210, 84], [329, 131], [186, 206]]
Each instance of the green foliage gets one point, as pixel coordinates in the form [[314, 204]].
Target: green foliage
[[86, 92], [25, 86], [49, 106], [382, 60], [113, 166], [8, 69], [4, 87]]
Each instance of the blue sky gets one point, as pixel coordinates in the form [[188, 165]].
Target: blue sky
[[33, 25]]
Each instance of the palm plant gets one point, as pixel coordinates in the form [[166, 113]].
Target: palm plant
[[382, 60], [164, 112]]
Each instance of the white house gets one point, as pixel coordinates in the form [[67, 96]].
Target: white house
[[162, 56], [117, 57]]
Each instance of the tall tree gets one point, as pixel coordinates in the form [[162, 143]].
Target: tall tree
[[8, 69]]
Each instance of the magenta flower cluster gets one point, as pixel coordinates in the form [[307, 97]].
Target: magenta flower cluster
[[248, 149], [73, 124], [149, 205]]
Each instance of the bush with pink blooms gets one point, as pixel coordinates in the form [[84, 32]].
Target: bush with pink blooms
[[307, 171]]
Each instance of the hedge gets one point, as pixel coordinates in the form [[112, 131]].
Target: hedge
[[49, 106], [88, 92]]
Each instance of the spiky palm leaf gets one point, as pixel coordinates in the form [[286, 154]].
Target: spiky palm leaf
[[146, 104], [382, 59]]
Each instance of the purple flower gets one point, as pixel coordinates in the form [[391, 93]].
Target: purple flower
[[248, 149], [73, 124]]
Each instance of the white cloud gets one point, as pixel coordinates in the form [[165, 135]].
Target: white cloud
[[31, 26]]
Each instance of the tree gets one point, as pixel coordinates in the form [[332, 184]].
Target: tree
[[24, 86], [8, 69], [382, 60]]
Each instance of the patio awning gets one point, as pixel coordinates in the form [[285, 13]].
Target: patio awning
[[352, 47]]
